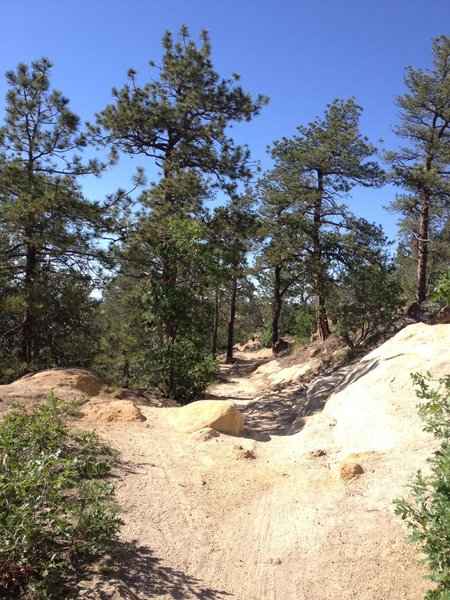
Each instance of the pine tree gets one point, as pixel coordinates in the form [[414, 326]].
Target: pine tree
[[180, 122], [317, 167], [281, 258], [422, 167], [46, 226]]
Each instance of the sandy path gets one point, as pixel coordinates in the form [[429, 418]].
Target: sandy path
[[204, 523]]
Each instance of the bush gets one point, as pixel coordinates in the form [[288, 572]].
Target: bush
[[441, 292], [56, 513], [428, 515], [187, 366]]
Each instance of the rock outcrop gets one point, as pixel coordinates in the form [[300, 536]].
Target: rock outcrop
[[375, 406], [66, 383]]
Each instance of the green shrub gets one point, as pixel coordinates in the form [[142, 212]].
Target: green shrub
[[441, 292], [187, 366], [266, 335], [56, 512], [428, 515]]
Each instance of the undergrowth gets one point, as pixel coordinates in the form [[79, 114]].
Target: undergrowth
[[428, 514], [57, 511]]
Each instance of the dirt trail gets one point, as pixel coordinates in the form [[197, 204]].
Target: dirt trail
[[201, 522]]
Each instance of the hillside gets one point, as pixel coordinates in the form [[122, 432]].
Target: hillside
[[300, 506]]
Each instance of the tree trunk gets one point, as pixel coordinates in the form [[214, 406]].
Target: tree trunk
[[323, 327], [230, 342], [215, 329], [276, 307], [422, 248], [28, 323], [321, 313]]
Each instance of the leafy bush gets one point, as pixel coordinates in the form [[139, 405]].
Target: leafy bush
[[428, 515], [184, 366], [266, 335], [55, 511], [441, 292], [305, 323]]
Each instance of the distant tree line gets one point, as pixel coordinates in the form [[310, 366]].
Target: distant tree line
[[180, 282]]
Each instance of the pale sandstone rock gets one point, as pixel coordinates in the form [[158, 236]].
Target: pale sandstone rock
[[223, 416], [272, 366], [375, 406], [295, 373], [66, 383]]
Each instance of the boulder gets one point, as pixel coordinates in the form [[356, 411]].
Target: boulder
[[273, 366], [443, 316], [221, 415]]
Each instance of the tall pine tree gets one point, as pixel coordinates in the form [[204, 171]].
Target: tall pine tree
[[180, 121], [46, 225], [422, 167], [317, 167]]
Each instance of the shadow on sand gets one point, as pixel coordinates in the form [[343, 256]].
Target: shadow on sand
[[284, 412], [134, 573]]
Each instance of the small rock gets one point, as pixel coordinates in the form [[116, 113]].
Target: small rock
[[240, 452], [349, 469], [317, 453], [205, 434]]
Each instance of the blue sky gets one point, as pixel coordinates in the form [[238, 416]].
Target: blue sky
[[301, 53]]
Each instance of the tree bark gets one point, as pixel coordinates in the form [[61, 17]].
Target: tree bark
[[321, 313], [28, 323], [321, 317], [276, 306], [215, 329], [230, 341], [422, 248]]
